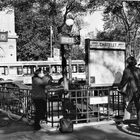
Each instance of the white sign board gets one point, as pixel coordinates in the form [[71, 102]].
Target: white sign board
[[107, 45], [56, 53], [66, 40], [106, 62], [98, 100]]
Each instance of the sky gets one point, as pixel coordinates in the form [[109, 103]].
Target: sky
[[95, 23]]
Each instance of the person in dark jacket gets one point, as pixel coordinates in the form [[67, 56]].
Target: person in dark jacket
[[39, 81], [131, 76]]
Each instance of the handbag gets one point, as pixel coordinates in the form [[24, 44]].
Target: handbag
[[137, 94], [66, 125], [123, 90]]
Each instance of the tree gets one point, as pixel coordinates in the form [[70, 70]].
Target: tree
[[33, 21], [78, 53], [113, 35], [32, 29], [127, 15], [124, 14]]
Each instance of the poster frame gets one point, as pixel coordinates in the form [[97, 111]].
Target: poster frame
[[87, 56]]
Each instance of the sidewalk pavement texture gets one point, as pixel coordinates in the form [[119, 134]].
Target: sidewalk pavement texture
[[106, 130]]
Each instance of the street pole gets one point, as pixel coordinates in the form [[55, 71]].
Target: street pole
[[51, 48], [64, 67], [70, 23], [70, 67]]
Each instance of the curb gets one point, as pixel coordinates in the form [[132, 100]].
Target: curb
[[93, 123], [125, 128], [76, 126]]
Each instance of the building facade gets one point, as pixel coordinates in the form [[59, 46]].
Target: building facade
[[8, 51]]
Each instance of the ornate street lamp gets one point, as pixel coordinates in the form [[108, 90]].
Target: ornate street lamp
[[70, 22]]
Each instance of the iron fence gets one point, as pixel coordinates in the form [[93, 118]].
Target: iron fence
[[81, 105], [86, 105]]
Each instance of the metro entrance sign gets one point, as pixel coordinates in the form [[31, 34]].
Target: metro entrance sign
[[108, 71], [66, 40]]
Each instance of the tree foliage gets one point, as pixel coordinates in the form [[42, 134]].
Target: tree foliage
[[120, 15], [113, 35], [33, 21], [78, 52]]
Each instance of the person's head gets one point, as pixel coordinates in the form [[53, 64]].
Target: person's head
[[39, 73], [131, 61]]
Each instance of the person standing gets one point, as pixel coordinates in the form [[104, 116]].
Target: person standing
[[39, 81], [131, 77]]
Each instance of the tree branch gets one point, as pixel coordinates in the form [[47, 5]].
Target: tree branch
[[134, 19]]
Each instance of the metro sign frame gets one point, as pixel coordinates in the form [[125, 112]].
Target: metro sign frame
[[66, 40]]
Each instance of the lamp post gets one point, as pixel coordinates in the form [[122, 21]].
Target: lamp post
[[52, 13], [51, 47], [70, 23]]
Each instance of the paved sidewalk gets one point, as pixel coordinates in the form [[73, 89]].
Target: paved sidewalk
[[93, 131]]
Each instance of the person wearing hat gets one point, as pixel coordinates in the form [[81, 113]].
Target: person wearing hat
[[131, 79], [39, 82]]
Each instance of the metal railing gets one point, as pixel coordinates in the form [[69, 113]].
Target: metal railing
[[81, 105], [86, 105]]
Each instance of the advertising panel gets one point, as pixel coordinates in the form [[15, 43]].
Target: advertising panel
[[106, 63]]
